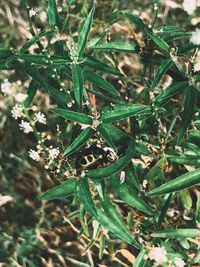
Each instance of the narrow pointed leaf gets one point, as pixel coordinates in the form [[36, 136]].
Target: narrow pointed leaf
[[139, 22], [108, 223], [33, 40], [98, 65], [79, 141], [129, 196], [184, 181], [54, 19], [82, 39], [140, 260], [73, 116], [100, 82], [114, 168], [169, 92], [160, 72], [118, 46], [77, 78], [85, 196], [32, 90], [177, 233], [105, 134], [61, 191], [5, 54], [122, 111], [188, 112]]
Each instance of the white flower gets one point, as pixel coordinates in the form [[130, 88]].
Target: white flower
[[144, 183], [40, 117], [189, 6], [34, 155], [5, 199], [122, 177], [20, 97], [6, 87], [54, 152], [17, 111], [195, 38], [179, 262], [159, 255], [32, 12], [26, 127]]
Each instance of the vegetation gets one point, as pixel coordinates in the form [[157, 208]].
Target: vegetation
[[100, 133]]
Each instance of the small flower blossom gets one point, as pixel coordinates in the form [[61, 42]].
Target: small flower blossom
[[5, 199], [122, 177], [53, 153], [32, 12], [179, 262], [40, 117], [195, 38], [144, 183], [20, 97], [34, 155], [189, 6], [159, 255], [17, 111], [26, 127], [6, 87]]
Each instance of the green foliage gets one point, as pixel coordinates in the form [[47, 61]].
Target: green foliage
[[139, 119]]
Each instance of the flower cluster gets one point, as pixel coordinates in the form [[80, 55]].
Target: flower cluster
[[6, 87]]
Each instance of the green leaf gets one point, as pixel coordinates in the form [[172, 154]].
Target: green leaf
[[112, 212], [169, 92], [85, 196], [140, 260], [177, 233], [61, 191], [79, 141], [108, 223], [5, 54], [122, 111], [73, 116], [160, 72], [118, 46], [176, 35], [82, 38], [186, 199], [37, 76], [105, 134], [184, 181], [32, 90], [53, 61], [114, 168], [33, 40], [188, 112], [54, 19], [161, 43], [129, 196], [100, 82], [77, 78], [98, 65]]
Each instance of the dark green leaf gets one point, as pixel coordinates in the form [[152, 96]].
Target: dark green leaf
[[5, 54], [32, 90], [108, 223], [184, 181], [114, 168], [129, 196], [73, 116], [188, 112], [33, 40], [177, 233], [79, 141], [118, 46], [160, 72], [100, 82], [77, 78], [54, 19], [140, 260], [105, 134], [98, 65], [85, 196], [122, 111], [169, 92], [82, 38], [61, 191]]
